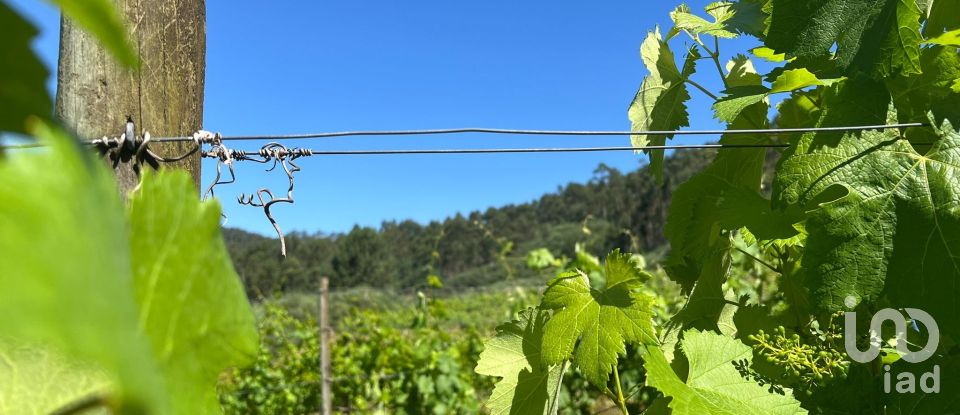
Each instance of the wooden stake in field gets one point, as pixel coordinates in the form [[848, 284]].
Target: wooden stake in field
[[325, 331], [95, 95]]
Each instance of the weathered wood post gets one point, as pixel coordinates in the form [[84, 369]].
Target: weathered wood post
[[325, 331], [95, 95]]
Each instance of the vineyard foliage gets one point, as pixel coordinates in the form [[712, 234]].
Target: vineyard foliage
[[128, 307], [853, 221], [133, 306]]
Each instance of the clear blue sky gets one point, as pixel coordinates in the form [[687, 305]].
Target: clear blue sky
[[307, 66]]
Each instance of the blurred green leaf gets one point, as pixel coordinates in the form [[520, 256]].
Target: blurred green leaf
[[192, 304], [66, 271], [103, 21], [943, 15], [540, 258], [39, 380], [151, 302], [23, 90], [951, 38]]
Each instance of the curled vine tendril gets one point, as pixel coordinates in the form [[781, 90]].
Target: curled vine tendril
[[284, 157]]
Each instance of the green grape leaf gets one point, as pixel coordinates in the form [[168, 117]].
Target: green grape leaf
[[877, 37], [884, 219], [40, 381], [956, 86], [794, 79], [660, 406], [944, 15], [723, 197], [951, 38], [728, 108], [526, 387], [148, 299], [660, 103], [714, 385], [102, 20], [67, 272], [914, 96], [192, 304], [23, 78], [720, 11], [850, 101], [768, 54], [597, 321], [705, 305], [729, 19], [749, 17], [540, 258], [740, 72], [799, 110]]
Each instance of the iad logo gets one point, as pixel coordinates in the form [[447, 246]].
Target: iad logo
[[906, 381]]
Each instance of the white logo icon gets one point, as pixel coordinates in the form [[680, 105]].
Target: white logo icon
[[906, 381]]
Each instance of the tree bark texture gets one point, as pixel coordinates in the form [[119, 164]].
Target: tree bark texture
[[96, 95]]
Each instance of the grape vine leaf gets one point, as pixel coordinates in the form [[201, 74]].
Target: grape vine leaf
[[102, 20], [850, 101], [149, 299], [750, 17], [951, 38], [914, 96], [660, 103], [877, 37], [883, 219], [38, 380], [705, 305], [799, 110], [724, 196], [714, 385], [729, 19], [540, 259], [741, 72], [944, 15], [768, 54], [738, 98], [598, 321], [66, 271], [193, 307], [527, 386], [720, 11], [23, 78]]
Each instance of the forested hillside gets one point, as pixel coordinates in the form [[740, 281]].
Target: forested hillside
[[625, 210]]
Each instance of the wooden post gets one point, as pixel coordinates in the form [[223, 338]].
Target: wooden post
[[325, 334], [95, 95]]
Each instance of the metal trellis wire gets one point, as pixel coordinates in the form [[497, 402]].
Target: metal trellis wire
[[283, 156]]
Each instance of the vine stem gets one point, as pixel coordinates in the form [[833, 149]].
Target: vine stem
[[716, 61], [621, 402], [762, 262], [702, 89], [714, 55]]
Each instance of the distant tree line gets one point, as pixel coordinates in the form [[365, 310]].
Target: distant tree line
[[619, 210]]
